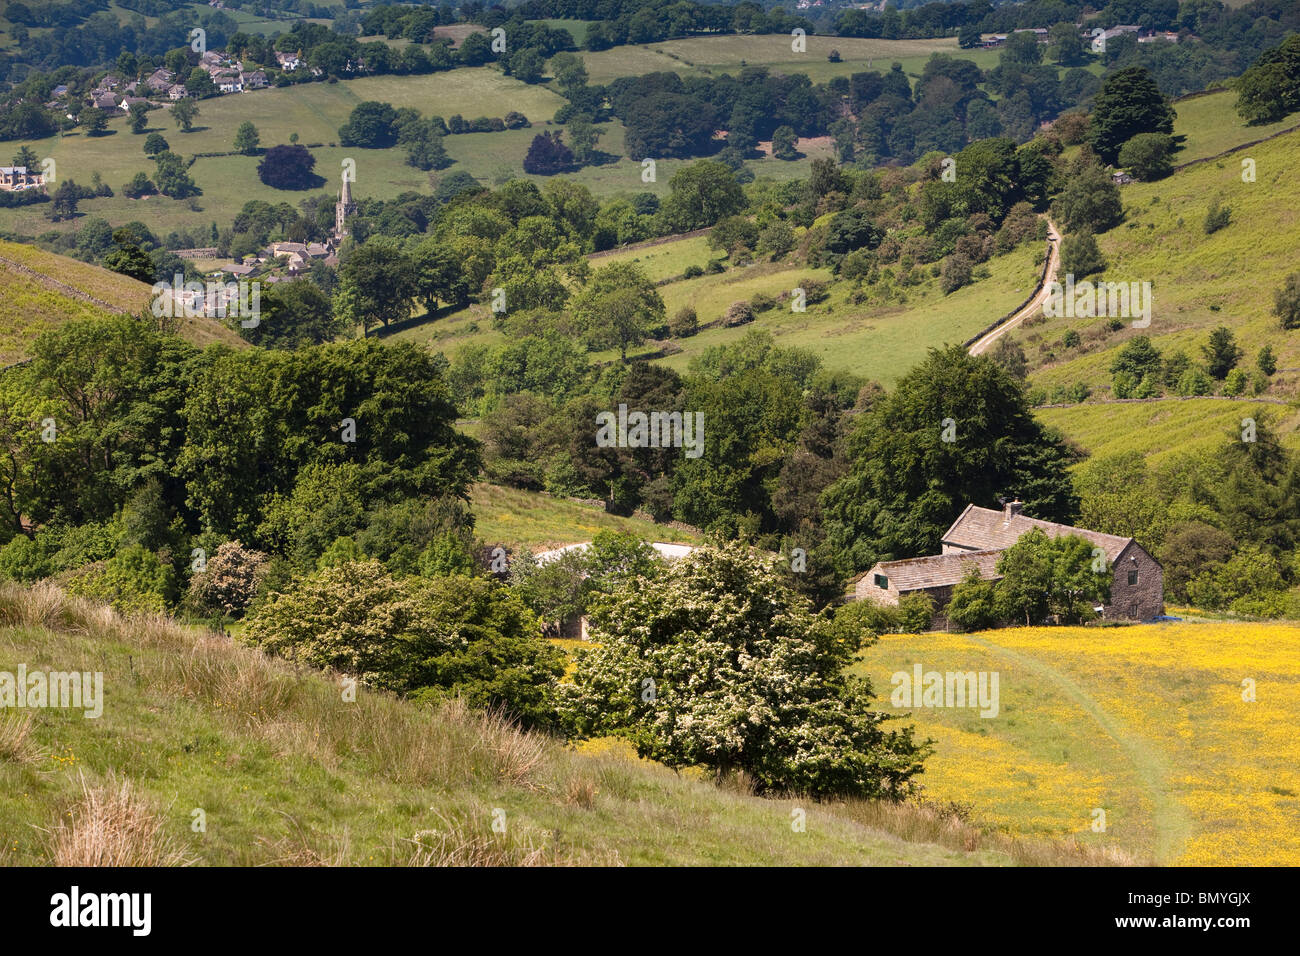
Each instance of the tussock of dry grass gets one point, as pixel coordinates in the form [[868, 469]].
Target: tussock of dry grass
[[14, 742], [112, 825], [580, 791], [519, 755]]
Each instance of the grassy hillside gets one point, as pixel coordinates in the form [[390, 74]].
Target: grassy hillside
[[1145, 722], [1164, 427], [729, 54], [30, 304], [878, 341], [1199, 281], [1208, 125], [526, 519], [285, 771]]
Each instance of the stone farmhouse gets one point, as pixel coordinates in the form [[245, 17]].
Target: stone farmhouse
[[977, 539], [17, 178]]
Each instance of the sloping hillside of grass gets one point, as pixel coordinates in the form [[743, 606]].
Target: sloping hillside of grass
[[879, 341], [1199, 281], [31, 304], [1209, 125], [528, 519], [729, 54], [1164, 427], [280, 769], [1147, 723]]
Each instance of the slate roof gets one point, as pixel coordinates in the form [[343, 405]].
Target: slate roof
[[982, 529], [938, 570]]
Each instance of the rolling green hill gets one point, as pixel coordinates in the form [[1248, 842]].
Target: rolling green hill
[[40, 290], [880, 341]]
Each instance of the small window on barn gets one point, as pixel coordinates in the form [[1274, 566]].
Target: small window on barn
[[1132, 578], [881, 582]]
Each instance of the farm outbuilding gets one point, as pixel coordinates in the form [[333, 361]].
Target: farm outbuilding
[[977, 539]]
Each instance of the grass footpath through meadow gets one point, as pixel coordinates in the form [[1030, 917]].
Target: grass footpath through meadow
[[1148, 722]]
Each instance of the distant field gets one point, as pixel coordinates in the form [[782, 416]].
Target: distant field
[[1211, 125], [1162, 428], [577, 28], [314, 111], [526, 519], [1146, 723], [724, 54]]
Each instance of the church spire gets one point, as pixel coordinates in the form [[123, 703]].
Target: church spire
[[343, 208]]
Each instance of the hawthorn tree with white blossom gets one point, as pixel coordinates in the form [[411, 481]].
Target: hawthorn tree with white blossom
[[718, 663]]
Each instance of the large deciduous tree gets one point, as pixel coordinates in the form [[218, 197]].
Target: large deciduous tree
[[956, 430], [289, 167], [619, 308]]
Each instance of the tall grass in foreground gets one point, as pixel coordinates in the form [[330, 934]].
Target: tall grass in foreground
[[565, 807], [113, 825]]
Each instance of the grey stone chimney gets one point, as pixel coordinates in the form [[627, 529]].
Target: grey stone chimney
[[1011, 509]]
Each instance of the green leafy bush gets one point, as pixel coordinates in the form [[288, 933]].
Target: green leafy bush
[[428, 638], [133, 580]]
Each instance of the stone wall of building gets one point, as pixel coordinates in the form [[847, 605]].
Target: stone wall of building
[[1145, 598]]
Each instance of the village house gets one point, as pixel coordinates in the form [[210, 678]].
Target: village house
[[287, 248], [255, 80], [227, 81], [177, 92], [1118, 31], [977, 540], [17, 178], [160, 81]]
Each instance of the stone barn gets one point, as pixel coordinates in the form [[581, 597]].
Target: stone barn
[[980, 535]]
